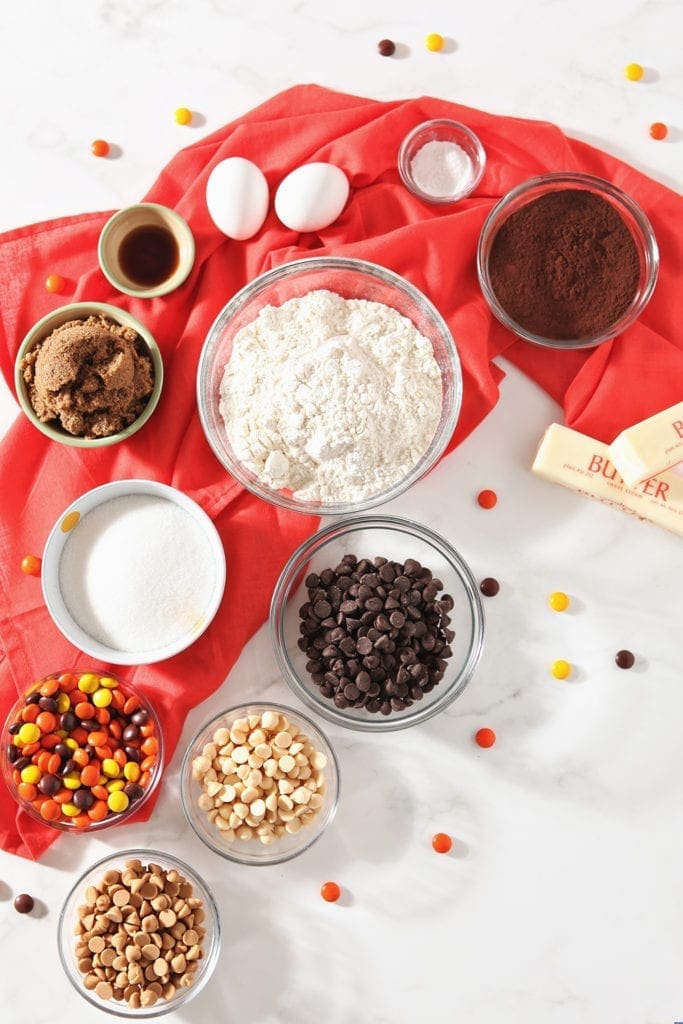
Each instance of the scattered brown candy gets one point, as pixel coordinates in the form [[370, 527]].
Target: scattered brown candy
[[625, 659], [123, 950], [386, 47], [23, 904], [489, 587]]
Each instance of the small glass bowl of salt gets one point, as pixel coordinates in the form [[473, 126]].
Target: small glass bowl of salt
[[441, 161]]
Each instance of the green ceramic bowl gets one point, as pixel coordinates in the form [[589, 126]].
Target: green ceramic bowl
[[80, 311]]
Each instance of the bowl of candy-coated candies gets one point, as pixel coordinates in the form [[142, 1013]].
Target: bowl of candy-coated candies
[[81, 751]]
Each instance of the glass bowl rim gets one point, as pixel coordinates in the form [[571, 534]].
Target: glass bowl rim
[[478, 165], [97, 826], [373, 723], [387, 277], [647, 241], [185, 778], [210, 960]]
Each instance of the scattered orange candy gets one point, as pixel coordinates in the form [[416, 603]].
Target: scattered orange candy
[[487, 499], [100, 148], [485, 737], [658, 131], [330, 892], [442, 842], [30, 564], [54, 283]]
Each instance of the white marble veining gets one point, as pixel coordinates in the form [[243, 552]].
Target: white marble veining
[[561, 900]]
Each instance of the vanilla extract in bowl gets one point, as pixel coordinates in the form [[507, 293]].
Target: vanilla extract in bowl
[[149, 255]]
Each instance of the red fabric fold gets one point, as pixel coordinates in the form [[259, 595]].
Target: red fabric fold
[[602, 390]]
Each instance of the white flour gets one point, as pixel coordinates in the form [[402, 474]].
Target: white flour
[[335, 399]]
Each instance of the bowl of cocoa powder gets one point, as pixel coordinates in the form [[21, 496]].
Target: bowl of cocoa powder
[[567, 260]]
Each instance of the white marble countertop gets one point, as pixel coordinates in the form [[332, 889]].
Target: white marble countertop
[[561, 900]]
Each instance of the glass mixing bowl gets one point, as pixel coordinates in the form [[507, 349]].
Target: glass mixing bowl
[[352, 279], [394, 539]]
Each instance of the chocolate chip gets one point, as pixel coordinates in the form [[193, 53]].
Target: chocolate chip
[[625, 659], [386, 47], [489, 587]]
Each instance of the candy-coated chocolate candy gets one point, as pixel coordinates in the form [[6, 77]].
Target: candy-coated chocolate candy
[[330, 892], [31, 774], [88, 682], [487, 499], [658, 131], [183, 115], [442, 842], [54, 284], [100, 148], [625, 659], [23, 904], [29, 733], [101, 698], [485, 737], [386, 47], [118, 801], [30, 564], [634, 72], [110, 768], [560, 668], [434, 42], [558, 601]]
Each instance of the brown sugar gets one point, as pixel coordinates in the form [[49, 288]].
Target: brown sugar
[[92, 377], [565, 265]]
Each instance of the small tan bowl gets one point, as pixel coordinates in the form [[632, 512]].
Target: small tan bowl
[[81, 311], [129, 219]]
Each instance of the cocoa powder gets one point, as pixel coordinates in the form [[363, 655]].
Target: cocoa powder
[[565, 266]]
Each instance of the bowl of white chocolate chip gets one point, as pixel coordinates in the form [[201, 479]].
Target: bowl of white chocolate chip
[[329, 385], [259, 783]]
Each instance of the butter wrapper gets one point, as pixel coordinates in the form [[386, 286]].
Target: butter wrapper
[[649, 447], [583, 465]]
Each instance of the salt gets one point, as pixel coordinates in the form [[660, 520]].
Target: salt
[[137, 573], [441, 169]]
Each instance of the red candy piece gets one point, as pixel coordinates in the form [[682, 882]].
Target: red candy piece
[[485, 737], [487, 499], [330, 892], [442, 842]]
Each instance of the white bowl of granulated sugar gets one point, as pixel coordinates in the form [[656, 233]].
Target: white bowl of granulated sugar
[[133, 572]]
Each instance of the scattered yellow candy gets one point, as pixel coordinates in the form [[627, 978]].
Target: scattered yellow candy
[[109, 683], [560, 668], [183, 116], [558, 601], [117, 802], [634, 72], [131, 770], [70, 810], [29, 733], [88, 683], [434, 42], [101, 698], [110, 768], [31, 774], [72, 781]]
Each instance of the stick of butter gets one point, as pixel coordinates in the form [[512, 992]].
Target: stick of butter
[[649, 447], [582, 464]]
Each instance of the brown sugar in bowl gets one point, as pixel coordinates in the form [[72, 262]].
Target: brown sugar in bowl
[[81, 311], [567, 260]]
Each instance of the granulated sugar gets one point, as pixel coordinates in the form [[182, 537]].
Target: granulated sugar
[[441, 168], [137, 573]]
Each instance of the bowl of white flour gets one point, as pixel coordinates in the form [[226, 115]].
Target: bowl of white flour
[[329, 385]]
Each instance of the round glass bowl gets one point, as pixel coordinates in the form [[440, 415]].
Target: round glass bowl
[[66, 824], [352, 279], [442, 130], [69, 918], [81, 311], [252, 851], [394, 539], [632, 215], [59, 536]]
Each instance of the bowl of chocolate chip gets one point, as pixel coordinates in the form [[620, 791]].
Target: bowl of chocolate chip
[[567, 260], [377, 623], [88, 375]]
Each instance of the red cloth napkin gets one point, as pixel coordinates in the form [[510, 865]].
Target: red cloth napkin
[[433, 246]]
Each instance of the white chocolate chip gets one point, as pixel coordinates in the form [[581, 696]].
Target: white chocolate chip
[[286, 763], [270, 720]]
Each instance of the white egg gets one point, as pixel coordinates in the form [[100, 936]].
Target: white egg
[[311, 197], [237, 197]]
